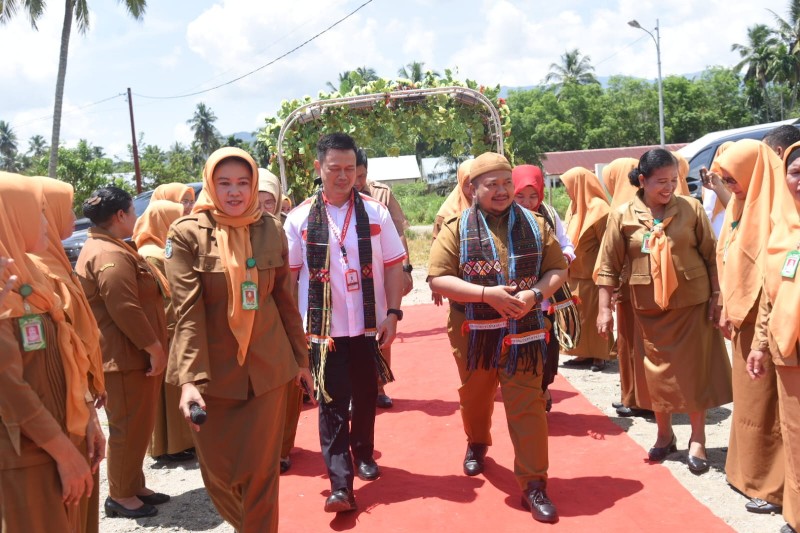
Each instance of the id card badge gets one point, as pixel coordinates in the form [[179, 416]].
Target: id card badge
[[249, 296], [646, 243], [789, 269], [351, 280], [31, 330]]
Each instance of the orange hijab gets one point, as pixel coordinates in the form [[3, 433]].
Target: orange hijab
[[615, 177], [718, 207], [456, 202], [233, 239], [783, 292], [683, 171], [741, 250], [55, 264], [150, 231], [171, 191], [588, 204], [21, 219]]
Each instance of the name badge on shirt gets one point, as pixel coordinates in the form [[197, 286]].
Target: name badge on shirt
[[646, 243], [789, 269], [351, 280], [249, 296], [31, 329]]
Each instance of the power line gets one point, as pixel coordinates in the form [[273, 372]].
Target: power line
[[296, 48], [620, 50]]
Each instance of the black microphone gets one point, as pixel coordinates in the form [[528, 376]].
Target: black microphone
[[197, 413]]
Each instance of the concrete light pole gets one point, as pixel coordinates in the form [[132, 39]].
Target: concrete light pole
[[657, 40]]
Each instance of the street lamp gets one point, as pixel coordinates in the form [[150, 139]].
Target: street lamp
[[657, 40]]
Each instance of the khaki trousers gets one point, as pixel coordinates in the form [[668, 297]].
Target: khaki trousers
[[789, 401], [294, 405], [523, 400], [131, 410], [171, 433], [239, 452], [30, 501]]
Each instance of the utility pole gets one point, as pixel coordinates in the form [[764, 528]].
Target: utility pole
[[136, 170]]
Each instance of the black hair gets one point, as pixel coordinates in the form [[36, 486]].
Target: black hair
[[782, 137], [361, 158], [792, 157], [335, 141], [651, 161], [104, 203]]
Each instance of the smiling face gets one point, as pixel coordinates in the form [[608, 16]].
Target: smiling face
[[793, 181], [660, 186], [338, 173], [528, 198], [233, 185], [187, 201], [494, 191]]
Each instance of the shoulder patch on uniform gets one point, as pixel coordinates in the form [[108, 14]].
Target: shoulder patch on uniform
[[168, 248], [106, 267]]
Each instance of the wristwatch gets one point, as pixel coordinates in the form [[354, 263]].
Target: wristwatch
[[396, 312], [408, 268], [538, 294]]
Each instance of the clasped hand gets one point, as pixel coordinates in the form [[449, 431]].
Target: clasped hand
[[504, 301]]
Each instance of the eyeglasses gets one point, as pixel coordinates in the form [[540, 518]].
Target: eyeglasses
[[729, 181]]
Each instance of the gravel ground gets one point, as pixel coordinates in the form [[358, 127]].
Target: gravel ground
[[191, 510]]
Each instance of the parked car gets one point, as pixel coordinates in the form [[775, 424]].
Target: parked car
[[74, 244], [700, 153]]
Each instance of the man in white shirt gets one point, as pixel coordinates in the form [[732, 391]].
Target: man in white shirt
[[348, 258]]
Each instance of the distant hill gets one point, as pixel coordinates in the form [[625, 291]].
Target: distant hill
[[245, 136], [602, 79]]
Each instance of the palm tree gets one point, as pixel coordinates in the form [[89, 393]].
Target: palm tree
[[789, 31], [37, 146], [415, 71], [343, 83], [79, 10], [758, 56], [366, 74], [8, 144], [206, 136], [573, 69]]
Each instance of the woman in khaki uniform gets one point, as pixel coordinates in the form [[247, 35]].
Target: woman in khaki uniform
[[180, 193], [172, 438], [754, 464], [48, 423], [668, 243], [586, 223], [234, 353], [778, 328], [129, 308]]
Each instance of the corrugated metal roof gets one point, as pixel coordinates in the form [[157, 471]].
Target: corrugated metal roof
[[556, 163]]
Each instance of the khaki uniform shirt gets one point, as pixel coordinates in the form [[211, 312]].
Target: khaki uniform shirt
[[126, 301], [204, 349], [445, 259], [693, 252], [586, 250], [383, 193]]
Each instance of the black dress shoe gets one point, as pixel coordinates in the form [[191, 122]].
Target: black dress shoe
[[633, 411], [617, 405], [114, 509], [156, 498], [474, 458], [185, 455], [367, 470], [659, 454], [697, 465], [383, 401], [578, 361], [340, 501], [757, 505], [598, 365], [536, 501], [286, 464]]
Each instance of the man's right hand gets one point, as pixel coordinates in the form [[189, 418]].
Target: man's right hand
[[502, 299], [158, 359], [190, 395]]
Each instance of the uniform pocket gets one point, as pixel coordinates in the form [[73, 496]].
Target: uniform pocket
[[266, 263], [696, 272]]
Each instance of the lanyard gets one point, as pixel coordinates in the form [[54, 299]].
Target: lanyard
[[342, 235]]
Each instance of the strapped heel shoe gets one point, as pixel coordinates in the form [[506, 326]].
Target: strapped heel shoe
[[114, 509], [659, 454]]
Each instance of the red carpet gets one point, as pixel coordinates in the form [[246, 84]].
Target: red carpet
[[599, 477]]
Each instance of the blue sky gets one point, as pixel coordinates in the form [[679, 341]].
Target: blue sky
[[186, 46]]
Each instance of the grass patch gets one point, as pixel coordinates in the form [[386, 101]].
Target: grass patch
[[419, 205], [419, 247]]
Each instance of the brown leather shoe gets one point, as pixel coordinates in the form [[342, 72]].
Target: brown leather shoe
[[474, 458], [535, 500], [340, 501]]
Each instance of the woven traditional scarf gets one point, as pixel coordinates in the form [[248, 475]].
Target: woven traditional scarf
[[563, 305], [480, 264], [320, 304]]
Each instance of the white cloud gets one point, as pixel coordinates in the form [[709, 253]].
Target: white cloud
[[171, 59]]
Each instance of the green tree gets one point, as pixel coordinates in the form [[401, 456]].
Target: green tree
[[206, 136], [757, 57], [415, 71], [573, 69], [789, 31], [77, 10], [8, 147], [37, 146]]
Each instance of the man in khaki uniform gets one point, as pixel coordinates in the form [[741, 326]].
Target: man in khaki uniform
[[496, 327], [383, 193]]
